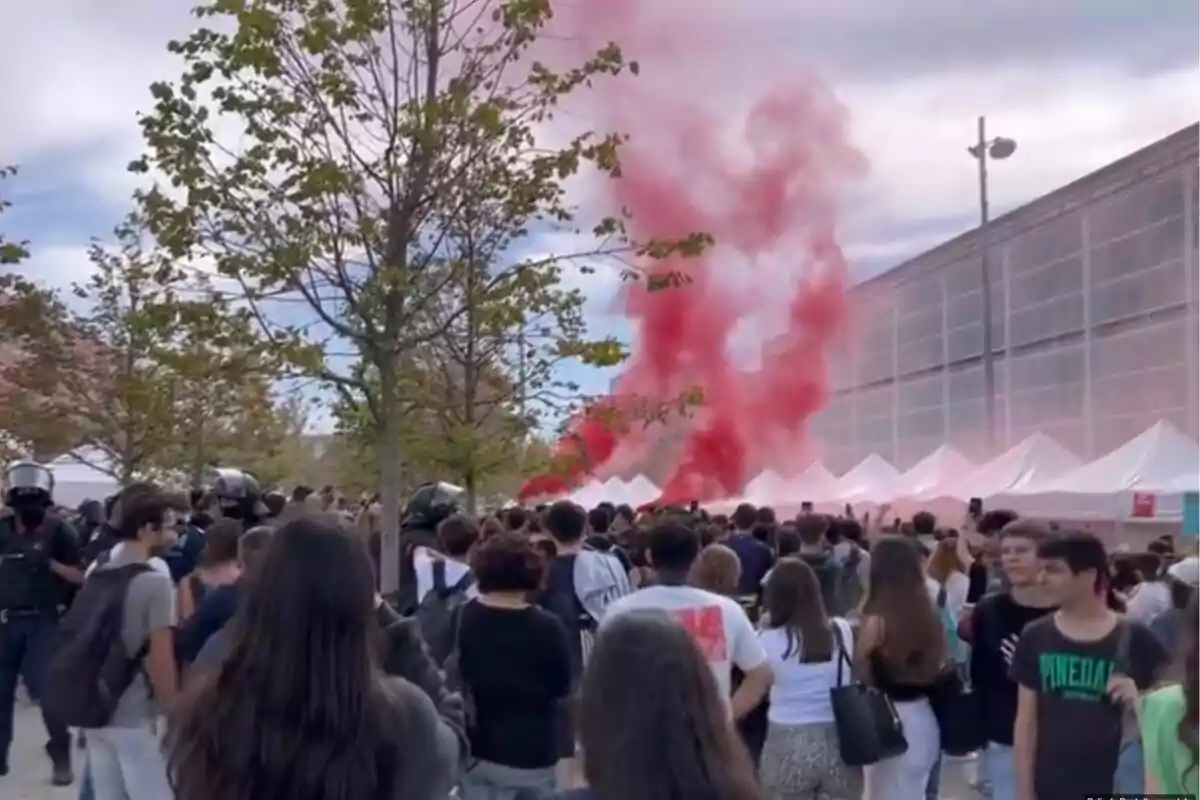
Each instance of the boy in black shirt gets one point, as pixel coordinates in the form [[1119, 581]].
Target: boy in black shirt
[[1079, 672], [993, 628]]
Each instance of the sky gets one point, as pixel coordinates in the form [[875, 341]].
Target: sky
[[1077, 85]]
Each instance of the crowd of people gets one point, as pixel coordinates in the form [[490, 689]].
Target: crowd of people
[[220, 646]]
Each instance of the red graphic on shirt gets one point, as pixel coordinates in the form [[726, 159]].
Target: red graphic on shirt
[[707, 626]]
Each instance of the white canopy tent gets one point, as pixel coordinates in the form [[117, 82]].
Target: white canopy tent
[[77, 477], [640, 490], [1161, 463], [871, 480], [1035, 460], [815, 482], [943, 466]]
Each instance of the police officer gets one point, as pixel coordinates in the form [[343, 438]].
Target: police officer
[[429, 505], [39, 560], [237, 496]]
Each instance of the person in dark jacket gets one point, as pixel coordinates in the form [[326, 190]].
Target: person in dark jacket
[[814, 552], [219, 605]]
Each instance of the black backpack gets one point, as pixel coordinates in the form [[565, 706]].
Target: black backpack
[[438, 612], [89, 668]]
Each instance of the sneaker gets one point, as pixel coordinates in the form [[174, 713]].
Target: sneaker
[[62, 774]]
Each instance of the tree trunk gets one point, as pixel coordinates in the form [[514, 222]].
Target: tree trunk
[[388, 450]]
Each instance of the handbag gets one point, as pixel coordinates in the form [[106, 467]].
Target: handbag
[[868, 728], [959, 718]]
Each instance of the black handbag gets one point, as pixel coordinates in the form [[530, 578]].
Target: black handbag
[[868, 728], [959, 716]]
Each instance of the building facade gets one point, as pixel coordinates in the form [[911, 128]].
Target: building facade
[[1094, 324]]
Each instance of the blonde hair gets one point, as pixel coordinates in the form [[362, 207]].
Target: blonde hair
[[717, 569]]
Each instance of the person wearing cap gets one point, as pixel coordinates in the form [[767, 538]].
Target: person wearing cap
[[40, 562], [1182, 578]]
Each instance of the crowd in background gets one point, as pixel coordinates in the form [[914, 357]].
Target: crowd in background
[[615, 653]]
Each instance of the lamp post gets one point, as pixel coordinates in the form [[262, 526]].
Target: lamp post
[[984, 148]]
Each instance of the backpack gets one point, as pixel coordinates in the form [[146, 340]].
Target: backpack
[[438, 612], [89, 668]]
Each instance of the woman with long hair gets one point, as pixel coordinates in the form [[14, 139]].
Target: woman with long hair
[[947, 569], [300, 708], [661, 730], [801, 759], [218, 566], [901, 649], [1170, 721]]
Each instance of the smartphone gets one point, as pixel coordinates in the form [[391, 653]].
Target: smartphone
[[806, 507], [975, 507]]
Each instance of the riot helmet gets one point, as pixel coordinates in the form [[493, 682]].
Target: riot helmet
[[29, 491], [238, 495], [431, 503]]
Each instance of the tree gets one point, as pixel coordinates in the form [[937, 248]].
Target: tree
[[141, 352], [369, 130], [11, 252]]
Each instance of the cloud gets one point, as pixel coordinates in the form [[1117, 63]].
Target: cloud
[[1077, 87]]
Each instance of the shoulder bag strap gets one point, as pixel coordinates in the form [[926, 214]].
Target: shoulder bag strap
[[1124, 637], [842, 656], [439, 576]]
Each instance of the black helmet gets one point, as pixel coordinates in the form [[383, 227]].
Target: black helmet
[[238, 494], [28, 482], [430, 504]]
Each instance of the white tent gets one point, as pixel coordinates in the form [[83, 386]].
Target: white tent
[[77, 477], [1158, 464], [943, 466], [1155, 458], [589, 494], [871, 480], [641, 490], [815, 483], [766, 488], [1035, 460]]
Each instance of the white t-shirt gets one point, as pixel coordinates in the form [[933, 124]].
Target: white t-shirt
[[958, 585], [1149, 599], [718, 624], [423, 568], [156, 563], [800, 693]]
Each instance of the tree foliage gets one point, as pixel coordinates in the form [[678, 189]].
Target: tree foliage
[[142, 368], [378, 154], [11, 252]]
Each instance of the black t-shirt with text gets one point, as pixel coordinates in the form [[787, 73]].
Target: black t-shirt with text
[[997, 619], [1078, 727]]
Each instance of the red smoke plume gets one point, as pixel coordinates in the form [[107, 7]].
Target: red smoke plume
[[770, 205]]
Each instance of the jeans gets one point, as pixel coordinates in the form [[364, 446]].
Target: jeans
[[25, 647], [126, 764], [87, 789], [998, 771], [489, 781], [906, 776], [935, 780], [1131, 771]]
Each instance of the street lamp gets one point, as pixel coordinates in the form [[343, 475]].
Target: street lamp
[[984, 148]]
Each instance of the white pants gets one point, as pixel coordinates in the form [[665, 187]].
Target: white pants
[[905, 776], [127, 764]]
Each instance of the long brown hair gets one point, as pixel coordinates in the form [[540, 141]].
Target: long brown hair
[[913, 647], [662, 730], [1189, 723], [792, 601], [945, 561], [717, 569]]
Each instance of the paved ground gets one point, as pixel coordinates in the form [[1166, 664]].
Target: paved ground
[[29, 778]]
